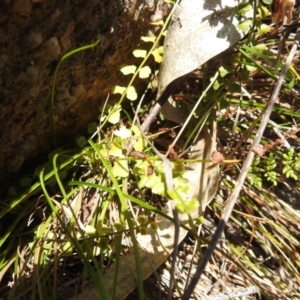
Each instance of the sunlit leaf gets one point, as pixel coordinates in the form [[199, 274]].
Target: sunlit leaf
[[120, 168], [145, 72], [159, 189], [158, 23], [260, 47], [96, 250], [131, 93], [244, 26], [115, 149], [157, 53], [218, 83], [148, 38], [128, 70], [114, 114], [141, 168], [263, 11], [224, 70], [114, 118], [263, 28], [118, 89], [104, 152], [103, 229], [90, 230], [245, 9], [251, 68], [122, 132], [139, 53], [140, 143], [67, 249]]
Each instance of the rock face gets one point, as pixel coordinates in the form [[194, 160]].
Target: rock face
[[33, 37]]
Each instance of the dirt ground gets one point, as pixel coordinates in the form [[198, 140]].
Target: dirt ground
[[34, 34]]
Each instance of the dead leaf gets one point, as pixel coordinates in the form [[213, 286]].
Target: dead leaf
[[199, 31], [217, 157], [203, 182], [282, 8]]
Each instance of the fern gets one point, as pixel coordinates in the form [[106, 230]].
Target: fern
[[289, 161], [270, 165], [254, 173]]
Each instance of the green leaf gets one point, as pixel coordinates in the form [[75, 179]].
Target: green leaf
[[128, 70], [81, 141], [120, 168], [263, 11], [92, 127], [157, 53], [67, 249], [114, 114], [224, 70], [144, 72], [139, 53], [153, 180], [122, 132], [159, 189], [116, 149], [103, 244], [118, 89], [25, 181], [90, 230], [148, 38], [260, 47], [143, 220], [245, 9], [140, 143], [218, 82], [131, 93], [102, 229], [272, 177], [141, 169], [12, 191], [268, 2], [244, 26], [263, 28], [159, 23], [250, 69], [96, 250]]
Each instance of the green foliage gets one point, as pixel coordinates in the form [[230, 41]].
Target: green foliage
[[116, 174], [270, 165], [288, 165], [254, 174], [291, 162]]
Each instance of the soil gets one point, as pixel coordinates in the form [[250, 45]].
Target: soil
[[34, 35]]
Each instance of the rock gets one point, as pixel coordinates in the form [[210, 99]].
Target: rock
[[78, 90], [32, 73], [33, 39], [28, 144], [64, 100], [22, 7], [53, 49], [55, 15], [3, 60], [14, 164]]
